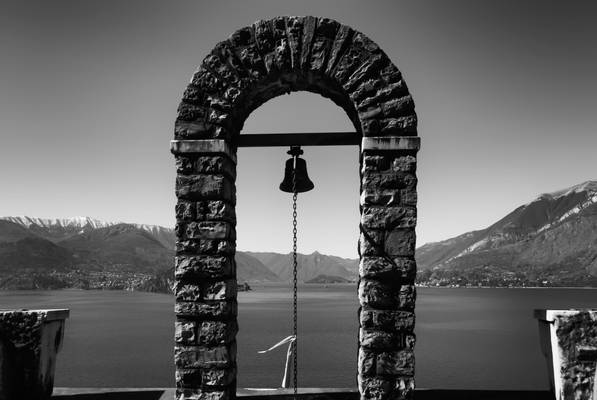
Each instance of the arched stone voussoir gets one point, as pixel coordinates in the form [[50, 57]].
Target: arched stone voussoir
[[286, 54]]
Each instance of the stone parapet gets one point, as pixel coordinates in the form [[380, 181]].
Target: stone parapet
[[569, 343], [29, 343]]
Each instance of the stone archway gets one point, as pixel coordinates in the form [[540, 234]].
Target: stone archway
[[255, 64]]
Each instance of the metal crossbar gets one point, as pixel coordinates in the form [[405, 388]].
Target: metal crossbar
[[299, 139]]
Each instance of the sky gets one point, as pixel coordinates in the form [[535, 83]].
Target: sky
[[505, 92]]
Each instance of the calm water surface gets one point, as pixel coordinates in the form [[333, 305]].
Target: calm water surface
[[466, 338]]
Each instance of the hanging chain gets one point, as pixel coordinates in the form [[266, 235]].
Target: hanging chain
[[294, 281]]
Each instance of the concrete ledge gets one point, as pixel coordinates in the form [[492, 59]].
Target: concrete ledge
[[391, 143], [50, 314], [204, 146], [551, 315], [166, 393], [304, 393]]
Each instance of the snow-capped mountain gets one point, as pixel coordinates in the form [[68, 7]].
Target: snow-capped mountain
[[57, 229], [555, 231], [74, 222], [90, 244]]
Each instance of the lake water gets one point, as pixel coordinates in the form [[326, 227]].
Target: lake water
[[466, 338]]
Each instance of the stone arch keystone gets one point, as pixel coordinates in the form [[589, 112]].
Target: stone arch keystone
[[254, 65]]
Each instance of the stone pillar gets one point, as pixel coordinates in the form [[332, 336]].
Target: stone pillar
[[387, 267], [205, 271], [29, 343], [569, 343]]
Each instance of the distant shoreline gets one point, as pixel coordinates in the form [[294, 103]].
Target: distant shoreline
[[256, 285]]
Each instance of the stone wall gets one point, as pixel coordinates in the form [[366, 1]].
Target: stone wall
[[29, 343], [577, 340], [255, 64]]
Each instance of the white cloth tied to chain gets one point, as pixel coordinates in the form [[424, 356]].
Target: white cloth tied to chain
[[290, 339]]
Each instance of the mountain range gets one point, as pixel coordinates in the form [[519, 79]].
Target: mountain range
[[37, 246], [550, 241]]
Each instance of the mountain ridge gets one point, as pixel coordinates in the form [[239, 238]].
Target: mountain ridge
[[550, 240], [122, 251]]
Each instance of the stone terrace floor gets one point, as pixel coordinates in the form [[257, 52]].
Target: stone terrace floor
[[304, 393]]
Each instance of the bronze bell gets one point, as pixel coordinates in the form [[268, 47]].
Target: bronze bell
[[303, 183]]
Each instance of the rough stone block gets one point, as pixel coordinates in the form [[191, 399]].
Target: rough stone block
[[400, 363], [264, 36], [294, 28], [185, 332], [408, 340], [367, 71], [381, 94], [215, 210], [199, 130], [220, 118], [199, 187], [388, 180], [341, 42], [376, 388], [401, 126], [226, 247], [378, 197], [404, 388], [188, 378], [389, 163], [204, 267], [191, 112], [377, 294], [220, 290], [364, 96], [403, 321], [205, 246], [210, 230], [187, 292], [388, 197], [187, 394], [184, 164], [185, 210], [371, 243], [203, 357], [322, 43], [408, 197], [394, 244], [384, 296], [398, 107], [407, 297], [381, 267], [388, 218], [218, 377], [400, 242], [281, 49], [215, 165], [375, 163], [361, 50], [201, 394], [405, 163], [216, 395], [374, 339], [211, 310], [366, 362], [217, 332]]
